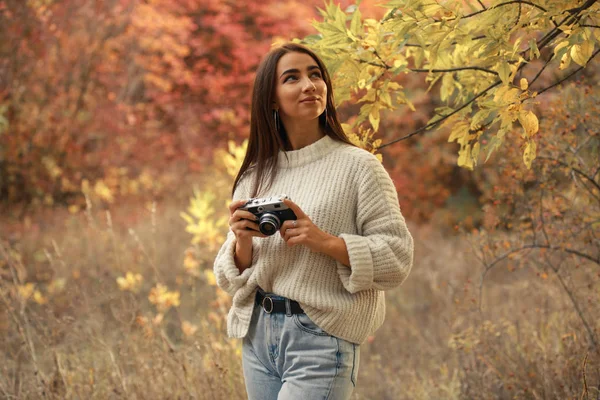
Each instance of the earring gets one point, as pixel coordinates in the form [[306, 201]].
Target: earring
[[276, 117]]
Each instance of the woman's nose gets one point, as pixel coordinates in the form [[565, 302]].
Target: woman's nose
[[309, 85]]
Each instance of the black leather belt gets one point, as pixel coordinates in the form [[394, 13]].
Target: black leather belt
[[271, 305]]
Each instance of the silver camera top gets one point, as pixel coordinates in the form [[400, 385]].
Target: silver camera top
[[266, 201]]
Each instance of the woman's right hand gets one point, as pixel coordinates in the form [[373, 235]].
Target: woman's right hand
[[243, 223]]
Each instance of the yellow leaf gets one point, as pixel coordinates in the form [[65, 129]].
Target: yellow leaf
[[464, 158], [459, 131], [25, 291], [447, 87], [130, 282], [210, 277], [561, 45], [581, 53], [524, 84], [529, 122], [529, 154], [39, 298], [475, 151], [565, 61], [188, 328], [374, 117], [103, 191]]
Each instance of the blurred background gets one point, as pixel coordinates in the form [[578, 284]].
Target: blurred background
[[122, 125]]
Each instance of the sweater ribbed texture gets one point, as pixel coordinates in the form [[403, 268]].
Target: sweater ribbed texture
[[346, 192]]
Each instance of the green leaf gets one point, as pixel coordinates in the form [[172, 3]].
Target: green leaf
[[356, 24], [504, 72], [534, 52]]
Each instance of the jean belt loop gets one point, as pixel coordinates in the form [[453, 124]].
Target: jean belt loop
[[288, 308]]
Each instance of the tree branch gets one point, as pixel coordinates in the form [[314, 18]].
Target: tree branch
[[570, 75], [541, 70], [506, 4], [543, 42], [423, 128], [592, 181], [489, 71], [542, 246], [451, 44]]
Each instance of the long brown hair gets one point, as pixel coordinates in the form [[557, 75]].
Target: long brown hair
[[266, 140]]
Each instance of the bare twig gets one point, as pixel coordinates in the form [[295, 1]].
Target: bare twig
[[585, 387], [569, 293], [537, 75]]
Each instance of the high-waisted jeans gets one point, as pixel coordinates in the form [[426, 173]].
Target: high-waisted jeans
[[288, 357]]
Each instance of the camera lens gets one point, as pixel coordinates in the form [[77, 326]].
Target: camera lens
[[268, 224]]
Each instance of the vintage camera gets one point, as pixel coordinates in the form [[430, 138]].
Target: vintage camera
[[271, 213]]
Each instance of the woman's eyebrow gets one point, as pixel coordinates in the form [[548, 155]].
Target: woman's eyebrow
[[295, 70]]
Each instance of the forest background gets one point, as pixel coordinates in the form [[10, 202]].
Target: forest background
[[122, 123]]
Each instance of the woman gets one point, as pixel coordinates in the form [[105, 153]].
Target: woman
[[306, 298]]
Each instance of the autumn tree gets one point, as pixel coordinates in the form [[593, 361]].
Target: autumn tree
[[488, 57], [123, 97]]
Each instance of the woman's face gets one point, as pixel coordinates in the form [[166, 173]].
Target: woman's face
[[300, 92]]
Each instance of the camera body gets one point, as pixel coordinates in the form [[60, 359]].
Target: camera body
[[270, 211]]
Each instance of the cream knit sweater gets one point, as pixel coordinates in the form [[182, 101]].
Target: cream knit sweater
[[346, 192]]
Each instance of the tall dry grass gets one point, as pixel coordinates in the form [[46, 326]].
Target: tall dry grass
[[73, 332]]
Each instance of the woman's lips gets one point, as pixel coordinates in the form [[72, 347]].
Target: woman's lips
[[310, 100]]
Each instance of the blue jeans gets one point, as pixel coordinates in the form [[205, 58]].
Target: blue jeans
[[288, 357]]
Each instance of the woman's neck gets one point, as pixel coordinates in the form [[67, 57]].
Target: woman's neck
[[302, 134]]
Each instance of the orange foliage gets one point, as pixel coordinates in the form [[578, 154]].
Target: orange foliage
[[126, 93]]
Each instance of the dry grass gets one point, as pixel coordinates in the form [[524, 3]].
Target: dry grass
[[92, 340]]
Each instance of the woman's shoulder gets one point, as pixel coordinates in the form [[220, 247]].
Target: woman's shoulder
[[359, 156]]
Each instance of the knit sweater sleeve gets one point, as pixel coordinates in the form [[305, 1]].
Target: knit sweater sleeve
[[381, 254], [226, 272]]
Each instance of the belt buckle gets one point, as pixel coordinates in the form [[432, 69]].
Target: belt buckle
[[263, 304]]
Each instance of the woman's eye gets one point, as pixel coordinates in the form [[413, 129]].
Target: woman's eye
[[317, 74], [288, 78]]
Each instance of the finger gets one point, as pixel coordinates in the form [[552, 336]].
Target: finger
[[293, 241], [241, 214], [289, 224], [245, 224], [295, 208], [290, 233], [235, 205]]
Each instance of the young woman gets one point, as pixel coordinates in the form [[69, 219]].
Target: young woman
[[305, 298]]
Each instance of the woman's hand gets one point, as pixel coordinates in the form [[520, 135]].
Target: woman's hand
[[243, 223], [304, 231]]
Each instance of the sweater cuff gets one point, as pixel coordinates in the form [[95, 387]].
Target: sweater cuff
[[360, 274], [231, 279]]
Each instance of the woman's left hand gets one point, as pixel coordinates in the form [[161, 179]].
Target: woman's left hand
[[303, 231]]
